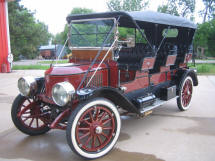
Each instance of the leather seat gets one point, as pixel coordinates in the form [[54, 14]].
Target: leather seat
[[132, 58]]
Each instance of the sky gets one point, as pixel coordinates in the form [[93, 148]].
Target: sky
[[54, 12]]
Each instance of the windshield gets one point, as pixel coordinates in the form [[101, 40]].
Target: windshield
[[91, 33]]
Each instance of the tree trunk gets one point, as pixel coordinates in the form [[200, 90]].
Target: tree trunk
[[205, 14]]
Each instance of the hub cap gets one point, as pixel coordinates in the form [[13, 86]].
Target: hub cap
[[98, 130]]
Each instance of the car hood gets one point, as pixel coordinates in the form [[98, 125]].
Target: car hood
[[72, 68], [74, 74]]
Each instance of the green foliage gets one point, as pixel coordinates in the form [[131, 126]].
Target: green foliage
[[170, 33], [205, 37], [91, 33], [168, 9], [124, 32], [184, 8], [127, 5], [209, 10], [201, 35], [81, 11], [26, 33], [61, 37], [211, 39]]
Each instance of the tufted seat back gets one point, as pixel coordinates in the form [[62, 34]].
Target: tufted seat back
[[131, 58]]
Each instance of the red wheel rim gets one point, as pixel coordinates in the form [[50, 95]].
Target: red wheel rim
[[187, 91], [95, 129], [31, 116]]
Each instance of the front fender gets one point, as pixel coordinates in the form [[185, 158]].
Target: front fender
[[113, 95]]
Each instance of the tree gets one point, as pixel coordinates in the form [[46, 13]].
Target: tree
[[211, 38], [205, 37], [127, 5], [26, 33], [209, 11], [184, 8], [61, 37], [167, 9]]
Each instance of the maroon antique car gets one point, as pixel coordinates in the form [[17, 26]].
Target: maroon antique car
[[122, 63]]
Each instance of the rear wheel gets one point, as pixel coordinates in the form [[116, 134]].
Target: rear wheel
[[93, 128], [185, 94], [29, 116]]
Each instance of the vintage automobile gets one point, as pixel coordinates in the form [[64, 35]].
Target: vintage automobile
[[122, 63]]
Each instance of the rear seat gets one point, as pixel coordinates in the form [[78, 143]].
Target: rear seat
[[166, 56], [183, 50], [132, 58]]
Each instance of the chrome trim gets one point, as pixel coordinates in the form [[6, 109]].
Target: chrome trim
[[119, 78], [31, 82], [69, 89], [156, 104]]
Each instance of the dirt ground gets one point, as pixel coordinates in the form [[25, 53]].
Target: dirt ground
[[165, 135]]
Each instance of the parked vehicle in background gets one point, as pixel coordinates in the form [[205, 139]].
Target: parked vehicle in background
[[108, 75], [52, 51]]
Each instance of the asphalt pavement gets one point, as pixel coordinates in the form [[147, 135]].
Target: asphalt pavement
[[165, 135]]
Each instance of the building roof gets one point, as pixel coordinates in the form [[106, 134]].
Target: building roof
[[139, 16], [47, 47]]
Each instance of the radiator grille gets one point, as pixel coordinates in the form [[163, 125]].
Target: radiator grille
[[95, 82]]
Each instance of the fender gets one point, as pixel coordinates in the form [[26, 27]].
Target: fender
[[182, 74], [113, 95]]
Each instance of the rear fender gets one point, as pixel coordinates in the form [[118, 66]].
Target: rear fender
[[182, 74]]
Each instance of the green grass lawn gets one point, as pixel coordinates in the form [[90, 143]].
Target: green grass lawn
[[27, 67], [201, 68], [204, 68], [42, 65], [50, 61]]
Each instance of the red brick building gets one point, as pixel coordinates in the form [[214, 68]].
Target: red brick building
[[4, 37]]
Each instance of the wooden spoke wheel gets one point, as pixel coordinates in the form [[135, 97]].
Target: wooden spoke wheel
[[185, 94], [93, 128], [29, 116]]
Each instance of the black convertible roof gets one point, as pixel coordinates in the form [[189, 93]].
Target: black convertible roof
[[126, 18]]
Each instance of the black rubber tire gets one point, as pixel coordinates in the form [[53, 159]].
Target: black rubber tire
[[179, 99], [14, 111], [71, 123]]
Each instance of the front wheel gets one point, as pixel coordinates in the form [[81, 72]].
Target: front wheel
[[29, 116], [185, 94], [93, 128]]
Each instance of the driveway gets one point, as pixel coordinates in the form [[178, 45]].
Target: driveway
[[167, 134]]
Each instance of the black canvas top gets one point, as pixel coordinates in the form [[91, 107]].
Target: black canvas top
[[139, 16]]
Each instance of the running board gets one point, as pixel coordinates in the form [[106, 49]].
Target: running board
[[156, 104]]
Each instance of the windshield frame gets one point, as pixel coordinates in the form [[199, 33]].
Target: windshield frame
[[93, 19]]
